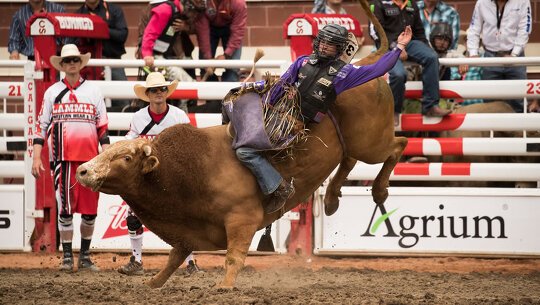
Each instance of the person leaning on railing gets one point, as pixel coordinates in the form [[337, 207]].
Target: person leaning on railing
[[504, 28]]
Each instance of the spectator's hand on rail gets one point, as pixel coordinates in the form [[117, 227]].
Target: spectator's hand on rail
[[463, 69], [534, 106], [149, 61], [207, 72], [14, 55], [404, 38], [221, 57], [37, 167]]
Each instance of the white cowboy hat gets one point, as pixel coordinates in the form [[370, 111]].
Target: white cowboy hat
[[153, 80], [69, 50]]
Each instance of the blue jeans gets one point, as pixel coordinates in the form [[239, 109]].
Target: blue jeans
[[511, 72], [223, 34], [422, 54], [267, 176]]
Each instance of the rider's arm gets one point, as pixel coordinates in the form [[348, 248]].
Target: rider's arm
[[351, 76]]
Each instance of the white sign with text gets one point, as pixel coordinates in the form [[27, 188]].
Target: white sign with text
[[433, 220]]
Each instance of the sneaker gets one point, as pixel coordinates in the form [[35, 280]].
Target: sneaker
[[279, 197], [132, 268], [192, 267], [67, 264], [437, 111], [85, 263]]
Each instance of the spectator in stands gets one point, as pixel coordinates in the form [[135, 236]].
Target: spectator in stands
[[436, 11], [148, 123], [471, 73], [225, 21], [394, 16], [74, 136], [18, 42], [162, 36], [164, 30], [328, 7], [440, 39], [504, 28], [113, 47]]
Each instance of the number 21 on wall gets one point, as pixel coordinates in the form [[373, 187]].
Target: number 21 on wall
[[14, 90]]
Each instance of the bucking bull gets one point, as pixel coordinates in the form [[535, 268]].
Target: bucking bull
[[188, 187]]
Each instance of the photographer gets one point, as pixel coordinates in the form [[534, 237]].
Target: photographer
[[166, 36]]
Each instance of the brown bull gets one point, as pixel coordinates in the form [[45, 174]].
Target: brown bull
[[190, 190]]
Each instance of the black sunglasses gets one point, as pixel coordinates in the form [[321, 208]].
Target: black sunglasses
[[73, 59], [155, 90]]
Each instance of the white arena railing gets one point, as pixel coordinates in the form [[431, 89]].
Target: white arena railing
[[499, 89]]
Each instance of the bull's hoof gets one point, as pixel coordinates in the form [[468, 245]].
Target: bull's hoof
[[331, 207], [379, 196], [331, 203], [152, 283]]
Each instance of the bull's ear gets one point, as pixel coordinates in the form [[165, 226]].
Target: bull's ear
[[149, 164]]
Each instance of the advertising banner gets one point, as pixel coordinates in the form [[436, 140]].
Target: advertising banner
[[487, 222], [11, 217]]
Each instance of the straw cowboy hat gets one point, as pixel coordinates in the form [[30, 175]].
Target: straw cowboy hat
[[153, 80], [69, 50]]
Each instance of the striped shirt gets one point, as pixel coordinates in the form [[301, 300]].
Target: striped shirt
[[474, 73], [18, 41], [500, 29], [441, 13]]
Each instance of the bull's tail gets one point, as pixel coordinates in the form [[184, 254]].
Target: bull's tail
[[383, 47], [258, 55]]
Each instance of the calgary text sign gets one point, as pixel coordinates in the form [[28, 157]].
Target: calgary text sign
[[490, 222]]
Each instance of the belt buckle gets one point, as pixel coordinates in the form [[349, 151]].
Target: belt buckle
[[502, 53]]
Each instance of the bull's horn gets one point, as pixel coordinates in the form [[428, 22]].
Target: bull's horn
[[258, 55], [147, 150]]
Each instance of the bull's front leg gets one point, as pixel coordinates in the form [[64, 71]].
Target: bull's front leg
[[176, 256], [333, 191], [380, 184], [240, 233]]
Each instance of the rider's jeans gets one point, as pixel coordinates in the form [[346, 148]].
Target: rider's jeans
[[268, 178]]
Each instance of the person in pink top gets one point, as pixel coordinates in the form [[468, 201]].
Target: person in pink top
[[225, 21], [167, 21]]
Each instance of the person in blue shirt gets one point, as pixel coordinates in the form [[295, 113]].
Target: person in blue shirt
[[319, 79], [18, 42]]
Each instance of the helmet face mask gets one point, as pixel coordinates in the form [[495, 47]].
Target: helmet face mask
[[441, 32], [331, 34]]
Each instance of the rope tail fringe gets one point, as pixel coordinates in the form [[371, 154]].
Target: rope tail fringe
[[283, 119]]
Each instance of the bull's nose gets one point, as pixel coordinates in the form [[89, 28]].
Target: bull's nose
[[81, 171]]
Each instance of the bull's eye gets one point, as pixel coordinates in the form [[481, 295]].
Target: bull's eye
[[127, 158]]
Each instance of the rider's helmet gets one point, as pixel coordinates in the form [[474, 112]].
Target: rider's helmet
[[333, 34], [441, 30]]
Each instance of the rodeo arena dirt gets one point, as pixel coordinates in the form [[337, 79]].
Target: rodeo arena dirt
[[450, 230]]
